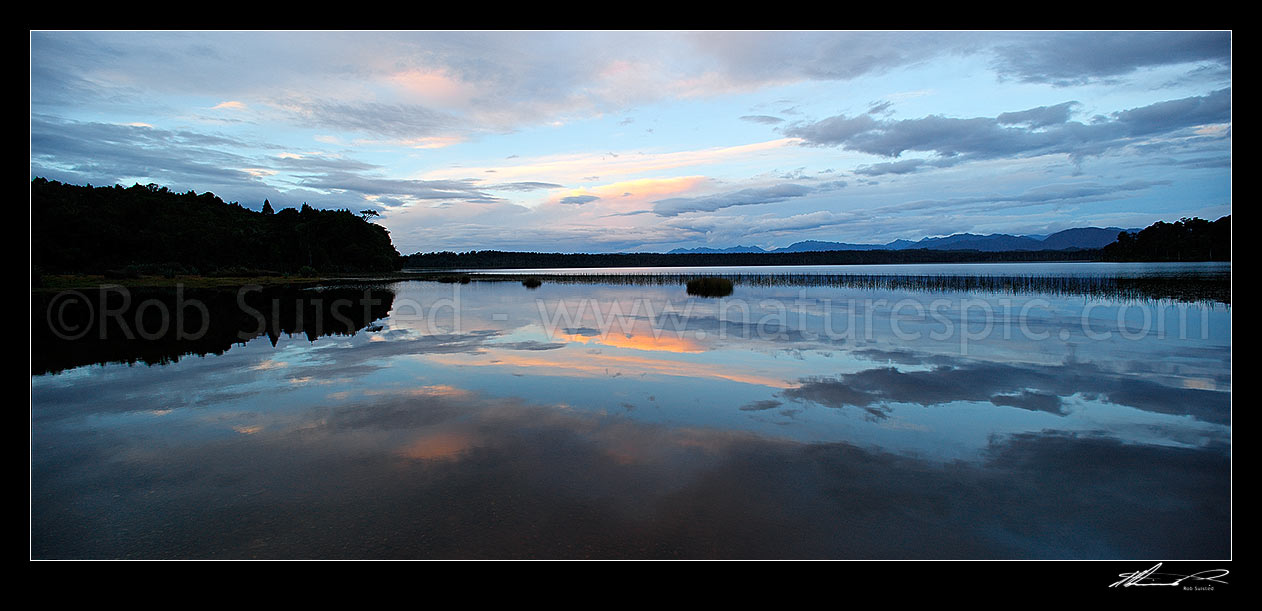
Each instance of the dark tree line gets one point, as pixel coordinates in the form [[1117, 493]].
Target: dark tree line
[[1191, 239], [1187, 240], [489, 259], [97, 229]]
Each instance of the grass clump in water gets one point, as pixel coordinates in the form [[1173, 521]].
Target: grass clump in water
[[710, 287], [531, 283]]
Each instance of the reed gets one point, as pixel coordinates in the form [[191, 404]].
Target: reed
[[1181, 288]]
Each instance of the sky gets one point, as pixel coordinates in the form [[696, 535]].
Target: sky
[[621, 141]]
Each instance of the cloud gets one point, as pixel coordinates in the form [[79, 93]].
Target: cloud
[[522, 186], [882, 107], [833, 131], [1041, 130], [464, 190], [390, 120], [778, 57], [1039, 117], [744, 197], [102, 153], [1172, 115], [587, 167], [1073, 58], [1031, 400], [903, 166], [764, 119], [1031, 387], [579, 199], [419, 84], [758, 406], [106, 153], [1077, 192]]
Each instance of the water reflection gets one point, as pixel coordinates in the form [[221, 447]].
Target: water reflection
[[631, 420], [154, 326], [450, 473]]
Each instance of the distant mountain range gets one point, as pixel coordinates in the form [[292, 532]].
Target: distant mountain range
[[1079, 238]]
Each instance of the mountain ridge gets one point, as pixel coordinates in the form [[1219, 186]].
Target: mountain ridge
[[1078, 237]]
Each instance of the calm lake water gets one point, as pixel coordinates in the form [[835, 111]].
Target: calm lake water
[[791, 419]]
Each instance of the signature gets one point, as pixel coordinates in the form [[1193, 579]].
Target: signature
[[1151, 577]]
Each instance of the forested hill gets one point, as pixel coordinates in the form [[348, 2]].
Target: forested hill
[[76, 229], [1189, 239]]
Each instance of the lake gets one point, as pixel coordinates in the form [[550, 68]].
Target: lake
[[996, 411]]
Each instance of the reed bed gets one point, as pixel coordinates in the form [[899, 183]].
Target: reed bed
[[1182, 288]]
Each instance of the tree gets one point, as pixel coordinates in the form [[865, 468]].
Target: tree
[[368, 214], [95, 230]]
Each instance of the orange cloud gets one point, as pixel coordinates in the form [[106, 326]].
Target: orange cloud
[[570, 363], [438, 445], [631, 194], [438, 390], [435, 86], [663, 343]]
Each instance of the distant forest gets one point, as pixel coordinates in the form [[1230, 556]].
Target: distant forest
[[489, 259], [1186, 240], [85, 229]]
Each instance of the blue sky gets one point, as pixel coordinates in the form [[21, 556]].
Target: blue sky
[[645, 141]]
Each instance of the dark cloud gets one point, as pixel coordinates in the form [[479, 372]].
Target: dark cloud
[[387, 120], [1206, 162], [833, 131], [1039, 117], [880, 108], [579, 199], [902, 357], [764, 119], [1029, 387], [1071, 58], [1031, 400], [758, 406], [903, 166], [1038, 131], [1172, 115], [105, 154], [321, 163], [838, 394], [744, 197], [1046, 194], [464, 189], [775, 56]]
